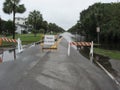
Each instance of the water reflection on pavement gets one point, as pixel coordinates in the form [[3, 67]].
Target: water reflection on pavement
[[8, 55]]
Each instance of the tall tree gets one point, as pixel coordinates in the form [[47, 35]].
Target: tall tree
[[9, 27], [45, 26], [13, 6], [55, 28], [103, 15], [35, 19]]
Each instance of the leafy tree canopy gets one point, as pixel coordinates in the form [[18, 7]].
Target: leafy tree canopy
[[103, 15], [13, 6]]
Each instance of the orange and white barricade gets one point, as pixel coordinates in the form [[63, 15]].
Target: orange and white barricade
[[84, 44], [19, 43], [4, 39], [8, 40], [81, 43], [19, 46]]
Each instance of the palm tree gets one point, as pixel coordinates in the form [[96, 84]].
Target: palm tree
[[35, 19], [12, 6]]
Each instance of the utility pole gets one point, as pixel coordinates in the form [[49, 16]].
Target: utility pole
[[98, 36]]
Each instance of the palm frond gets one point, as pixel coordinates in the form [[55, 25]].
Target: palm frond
[[20, 8]]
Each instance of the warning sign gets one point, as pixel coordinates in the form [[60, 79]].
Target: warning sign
[[49, 40]]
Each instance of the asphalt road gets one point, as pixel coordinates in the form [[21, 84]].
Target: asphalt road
[[53, 70]]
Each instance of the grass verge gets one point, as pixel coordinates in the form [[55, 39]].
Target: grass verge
[[29, 38], [26, 38], [109, 53]]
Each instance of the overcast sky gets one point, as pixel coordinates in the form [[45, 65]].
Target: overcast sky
[[64, 13]]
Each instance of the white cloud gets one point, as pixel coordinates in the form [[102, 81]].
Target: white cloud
[[64, 13]]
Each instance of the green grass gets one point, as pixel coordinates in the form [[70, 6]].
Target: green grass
[[29, 38], [110, 53], [26, 38]]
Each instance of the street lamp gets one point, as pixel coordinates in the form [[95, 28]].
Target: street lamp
[[98, 35]]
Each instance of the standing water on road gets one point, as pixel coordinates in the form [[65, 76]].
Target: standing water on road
[[68, 36], [106, 62], [8, 55]]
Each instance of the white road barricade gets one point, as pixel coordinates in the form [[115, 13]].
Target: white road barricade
[[69, 48], [20, 48], [49, 40], [91, 52], [84, 44]]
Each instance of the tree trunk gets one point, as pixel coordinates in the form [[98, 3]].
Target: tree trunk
[[14, 21]]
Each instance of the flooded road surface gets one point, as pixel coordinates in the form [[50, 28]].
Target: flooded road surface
[[69, 37], [8, 55], [112, 66], [37, 70]]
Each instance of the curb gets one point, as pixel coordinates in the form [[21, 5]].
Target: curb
[[109, 74]]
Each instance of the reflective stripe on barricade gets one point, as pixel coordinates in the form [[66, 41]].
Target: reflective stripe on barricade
[[81, 43], [8, 40]]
